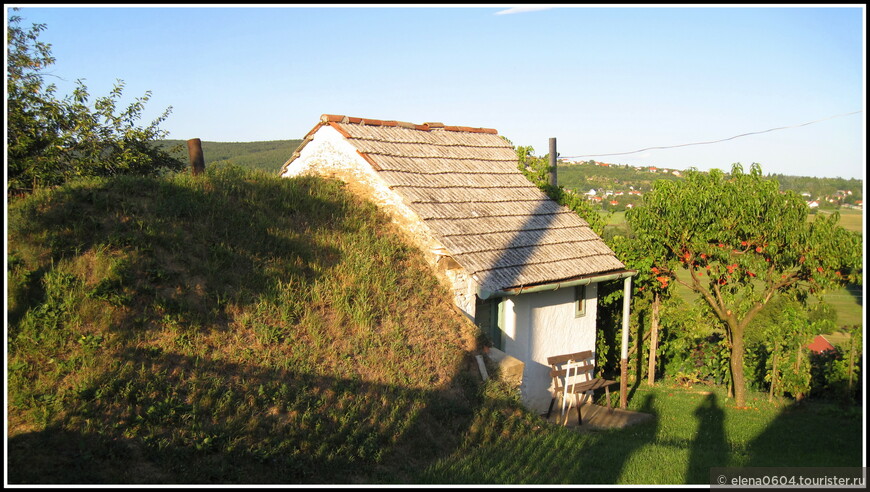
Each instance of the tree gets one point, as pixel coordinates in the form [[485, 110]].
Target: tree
[[786, 332], [651, 283], [52, 140], [739, 242]]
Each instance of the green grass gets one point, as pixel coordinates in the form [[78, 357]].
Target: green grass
[[847, 301], [850, 219], [240, 328], [693, 430], [235, 328]]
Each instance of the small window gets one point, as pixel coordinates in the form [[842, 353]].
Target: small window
[[579, 301]]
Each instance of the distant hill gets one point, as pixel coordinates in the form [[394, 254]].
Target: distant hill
[[584, 176], [266, 156], [270, 155]]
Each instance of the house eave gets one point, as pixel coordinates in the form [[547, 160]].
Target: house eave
[[585, 280]]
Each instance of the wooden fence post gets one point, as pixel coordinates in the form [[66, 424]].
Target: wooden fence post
[[623, 363], [197, 161], [552, 174]]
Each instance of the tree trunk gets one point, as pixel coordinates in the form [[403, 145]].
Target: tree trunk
[[737, 365], [773, 372], [797, 370], [851, 361], [653, 343]]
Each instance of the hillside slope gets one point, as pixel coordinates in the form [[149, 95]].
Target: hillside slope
[[236, 328]]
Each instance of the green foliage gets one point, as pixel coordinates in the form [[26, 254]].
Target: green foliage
[[741, 243], [837, 374], [786, 337], [51, 140]]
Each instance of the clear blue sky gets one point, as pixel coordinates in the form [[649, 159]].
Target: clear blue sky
[[601, 80]]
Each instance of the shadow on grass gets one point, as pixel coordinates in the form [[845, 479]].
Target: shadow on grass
[[183, 259], [210, 428], [557, 455], [710, 448], [188, 249], [811, 434], [857, 292]]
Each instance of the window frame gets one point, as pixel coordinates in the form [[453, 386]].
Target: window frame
[[579, 301]]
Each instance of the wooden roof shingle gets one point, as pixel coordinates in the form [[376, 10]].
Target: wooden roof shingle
[[465, 185]]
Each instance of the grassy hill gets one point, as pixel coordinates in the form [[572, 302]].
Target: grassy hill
[[237, 328], [240, 328]]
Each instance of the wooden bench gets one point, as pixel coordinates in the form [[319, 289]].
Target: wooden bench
[[573, 375]]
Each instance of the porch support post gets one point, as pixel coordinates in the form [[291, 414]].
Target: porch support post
[[623, 364]]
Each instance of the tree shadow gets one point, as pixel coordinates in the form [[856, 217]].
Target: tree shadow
[[525, 253], [795, 438], [192, 256], [857, 292], [561, 455], [303, 428], [710, 448], [180, 252]]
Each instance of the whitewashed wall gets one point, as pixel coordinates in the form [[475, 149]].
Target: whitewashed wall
[[541, 325]]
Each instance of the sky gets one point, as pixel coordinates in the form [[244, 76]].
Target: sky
[[605, 81]]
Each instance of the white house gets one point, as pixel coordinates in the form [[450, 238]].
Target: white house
[[521, 266]]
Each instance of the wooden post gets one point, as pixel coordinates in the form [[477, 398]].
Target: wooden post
[[553, 157], [197, 161], [653, 341], [623, 376], [851, 359]]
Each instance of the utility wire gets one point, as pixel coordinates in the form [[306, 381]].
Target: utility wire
[[711, 141]]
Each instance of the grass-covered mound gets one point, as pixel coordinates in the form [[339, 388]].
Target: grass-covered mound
[[236, 328], [242, 328]]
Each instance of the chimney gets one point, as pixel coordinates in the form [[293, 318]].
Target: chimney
[[554, 181], [197, 161]]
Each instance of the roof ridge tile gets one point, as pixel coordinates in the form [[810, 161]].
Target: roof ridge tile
[[428, 126]]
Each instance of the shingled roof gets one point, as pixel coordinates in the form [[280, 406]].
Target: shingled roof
[[465, 185]]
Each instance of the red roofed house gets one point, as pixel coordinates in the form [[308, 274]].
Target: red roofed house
[[828, 341], [521, 266], [819, 345]]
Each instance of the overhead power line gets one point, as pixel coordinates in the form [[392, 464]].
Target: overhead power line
[[711, 141]]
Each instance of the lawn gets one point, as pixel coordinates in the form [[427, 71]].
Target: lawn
[[852, 220], [693, 429]]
